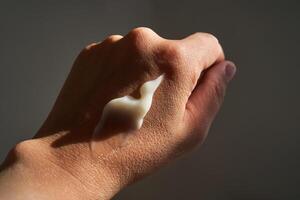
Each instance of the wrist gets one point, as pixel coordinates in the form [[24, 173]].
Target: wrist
[[38, 171]]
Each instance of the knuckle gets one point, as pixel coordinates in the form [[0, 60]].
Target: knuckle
[[89, 46], [112, 38], [172, 56], [140, 38], [107, 41], [140, 32], [207, 36], [88, 49]]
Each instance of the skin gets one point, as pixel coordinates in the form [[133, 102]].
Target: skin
[[66, 161]]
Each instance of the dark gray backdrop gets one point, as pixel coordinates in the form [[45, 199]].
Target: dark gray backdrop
[[252, 150]]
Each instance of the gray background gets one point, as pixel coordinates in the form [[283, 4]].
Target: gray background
[[251, 152]]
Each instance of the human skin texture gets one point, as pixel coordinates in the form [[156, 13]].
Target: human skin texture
[[67, 160]]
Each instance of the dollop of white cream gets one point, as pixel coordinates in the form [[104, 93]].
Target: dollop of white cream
[[129, 110]]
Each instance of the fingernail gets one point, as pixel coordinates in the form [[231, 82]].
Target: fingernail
[[230, 70]]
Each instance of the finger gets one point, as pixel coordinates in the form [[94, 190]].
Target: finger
[[207, 97], [204, 48]]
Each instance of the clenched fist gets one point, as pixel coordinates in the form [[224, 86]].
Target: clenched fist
[[67, 159]]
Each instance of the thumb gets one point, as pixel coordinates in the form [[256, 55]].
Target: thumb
[[207, 97]]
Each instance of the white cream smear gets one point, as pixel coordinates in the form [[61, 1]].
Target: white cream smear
[[129, 111]]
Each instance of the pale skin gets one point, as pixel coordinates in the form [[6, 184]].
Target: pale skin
[[60, 162]]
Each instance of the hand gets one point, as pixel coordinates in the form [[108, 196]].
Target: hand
[[182, 111]]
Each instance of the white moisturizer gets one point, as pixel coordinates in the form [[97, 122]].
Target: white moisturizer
[[129, 112]]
